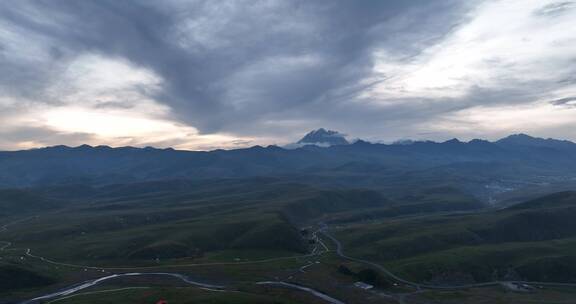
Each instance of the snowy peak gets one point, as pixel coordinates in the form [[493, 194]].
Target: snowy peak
[[323, 137]]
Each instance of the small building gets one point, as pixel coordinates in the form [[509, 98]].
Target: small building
[[363, 285]]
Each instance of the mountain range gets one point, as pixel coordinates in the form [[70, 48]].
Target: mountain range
[[438, 213], [480, 167]]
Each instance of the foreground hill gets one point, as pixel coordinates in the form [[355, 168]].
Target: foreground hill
[[171, 224], [533, 241], [185, 219], [21, 201], [439, 235]]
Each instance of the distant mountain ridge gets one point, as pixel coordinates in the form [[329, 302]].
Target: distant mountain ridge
[[527, 140], [513, 156], [331, 137]]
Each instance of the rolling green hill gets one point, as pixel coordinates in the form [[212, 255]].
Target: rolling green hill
[[532, 241], [144, 222], [14, 277], [22, 201], [560, 199], [435, 233]]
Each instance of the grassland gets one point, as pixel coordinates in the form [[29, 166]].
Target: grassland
[[237, 232], [525, 242]]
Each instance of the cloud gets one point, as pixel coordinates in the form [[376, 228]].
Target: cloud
[[266, 71], [567, 101], [31, 137], [505, 56], [222, 64], [541, 119], [555, 8], [503, 46]]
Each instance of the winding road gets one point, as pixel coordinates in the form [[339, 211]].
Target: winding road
[[316, 293], [68, 291], [78, 287]]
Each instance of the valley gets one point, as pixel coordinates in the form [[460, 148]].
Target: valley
[[344, 232], [287, 152], [236, 242]]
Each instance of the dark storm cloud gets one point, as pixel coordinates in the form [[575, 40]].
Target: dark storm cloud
[[231, 66], [113, 105], [567, 101]]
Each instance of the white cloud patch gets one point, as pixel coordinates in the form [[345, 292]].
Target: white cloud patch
[[541, 119], [503, 70], [505, 43], [101, 100]]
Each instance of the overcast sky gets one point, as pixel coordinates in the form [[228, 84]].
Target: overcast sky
[[222, 74]]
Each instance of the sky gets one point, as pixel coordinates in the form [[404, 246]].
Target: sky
[[203, 75]]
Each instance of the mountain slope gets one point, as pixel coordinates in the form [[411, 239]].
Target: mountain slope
[[323, 137], [514, 162], [560, 199], [21, 201], [533, 241], [188, 219]]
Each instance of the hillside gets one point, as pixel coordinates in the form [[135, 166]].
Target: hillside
[[441, 213], [561, 199], [22, 201], [13, 277], [533, 241], [187, 219], [514, 161]]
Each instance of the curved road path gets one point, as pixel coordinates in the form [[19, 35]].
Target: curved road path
[[70, 290], [339, 251], [67, 292]]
